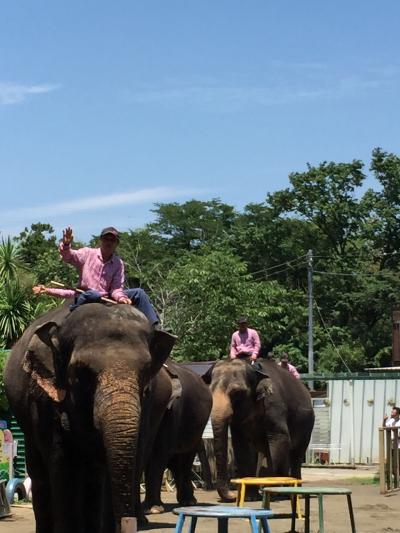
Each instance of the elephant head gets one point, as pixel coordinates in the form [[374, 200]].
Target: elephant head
[[234, 389], [95, 365]]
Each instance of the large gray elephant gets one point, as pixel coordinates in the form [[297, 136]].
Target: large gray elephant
[[178, 438], [78, 384], [268, 411]]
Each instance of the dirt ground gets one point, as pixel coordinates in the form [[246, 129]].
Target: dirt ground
[[374, 513]]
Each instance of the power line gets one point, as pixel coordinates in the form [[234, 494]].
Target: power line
[[351, 274], [277, 266], [289, 268], [330, 336]]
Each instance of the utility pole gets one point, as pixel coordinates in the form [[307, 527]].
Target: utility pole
[[310, 316]]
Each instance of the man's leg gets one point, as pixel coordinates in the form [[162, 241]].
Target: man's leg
[[141, 300], [87, 297]]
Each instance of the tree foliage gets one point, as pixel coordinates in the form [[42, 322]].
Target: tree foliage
[[204, 263]]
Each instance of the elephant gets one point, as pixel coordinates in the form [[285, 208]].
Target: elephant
[[79, 385], [178, 438], [268, 411]]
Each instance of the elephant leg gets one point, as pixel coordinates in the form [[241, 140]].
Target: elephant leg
[[66, 475], [99, 516], [55, 485], [181, 468], [245, 459], [154, 477], [41, 492], [300, 437], [67, 498]]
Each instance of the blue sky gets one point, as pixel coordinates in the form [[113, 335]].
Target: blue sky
[[109, 107]]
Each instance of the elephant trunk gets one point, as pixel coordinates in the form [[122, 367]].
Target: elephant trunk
[[221, 415], [117, 416]]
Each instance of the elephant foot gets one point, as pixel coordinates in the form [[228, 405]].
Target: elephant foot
[[227, 496], [188, 502], [252, 498], [154, 509], [142, 521]]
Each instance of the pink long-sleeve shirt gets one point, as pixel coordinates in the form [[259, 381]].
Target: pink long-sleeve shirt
[[105, 277], [292, 369], [60, 293], [248, 341]]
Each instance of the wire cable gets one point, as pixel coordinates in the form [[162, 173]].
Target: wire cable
[[346, 274], [289, 268], [330, 337], [277, 266]]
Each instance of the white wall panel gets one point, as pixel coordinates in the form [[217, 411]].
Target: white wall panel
[[372, 398]]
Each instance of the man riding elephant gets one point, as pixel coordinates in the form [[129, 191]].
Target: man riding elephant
[[101, 274], [245, 341]]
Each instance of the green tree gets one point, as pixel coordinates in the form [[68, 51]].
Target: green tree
[[190, 225], [209, 290], [384, 207], [15, 312], [35, 241], [273, 244], [10, 261], [38, 248], [17, 304], [3, 398], [326, 196]]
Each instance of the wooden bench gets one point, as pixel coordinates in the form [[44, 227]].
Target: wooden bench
[[272, 481], [222, 513], [309, 492]]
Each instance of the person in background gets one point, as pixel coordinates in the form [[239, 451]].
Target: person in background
[[245, 342], [284, 363], [101, 274], [393, 422]]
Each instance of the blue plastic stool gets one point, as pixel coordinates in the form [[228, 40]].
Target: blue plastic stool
[[222, 513]]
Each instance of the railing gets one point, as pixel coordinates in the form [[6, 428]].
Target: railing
[[323, 453], [389, 475]]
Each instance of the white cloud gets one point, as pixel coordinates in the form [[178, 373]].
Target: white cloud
[[93, 203], [13, 93], [232, 98]]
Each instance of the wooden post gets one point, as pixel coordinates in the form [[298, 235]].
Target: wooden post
[[128, 524], [382, 477], [389, 461], [395, 452]]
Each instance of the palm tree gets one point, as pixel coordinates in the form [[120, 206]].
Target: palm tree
[[15, 297], [15, 312], [10, 261]]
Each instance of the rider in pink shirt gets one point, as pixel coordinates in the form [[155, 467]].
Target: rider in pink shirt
[[245, 341], [101, 274], [284, 363]]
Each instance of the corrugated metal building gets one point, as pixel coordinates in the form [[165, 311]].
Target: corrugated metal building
[[348, 418]]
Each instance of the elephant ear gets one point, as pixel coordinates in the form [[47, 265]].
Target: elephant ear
[[207, 377], [160, 346], [264, 389], [42, 360], [259, 370]]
